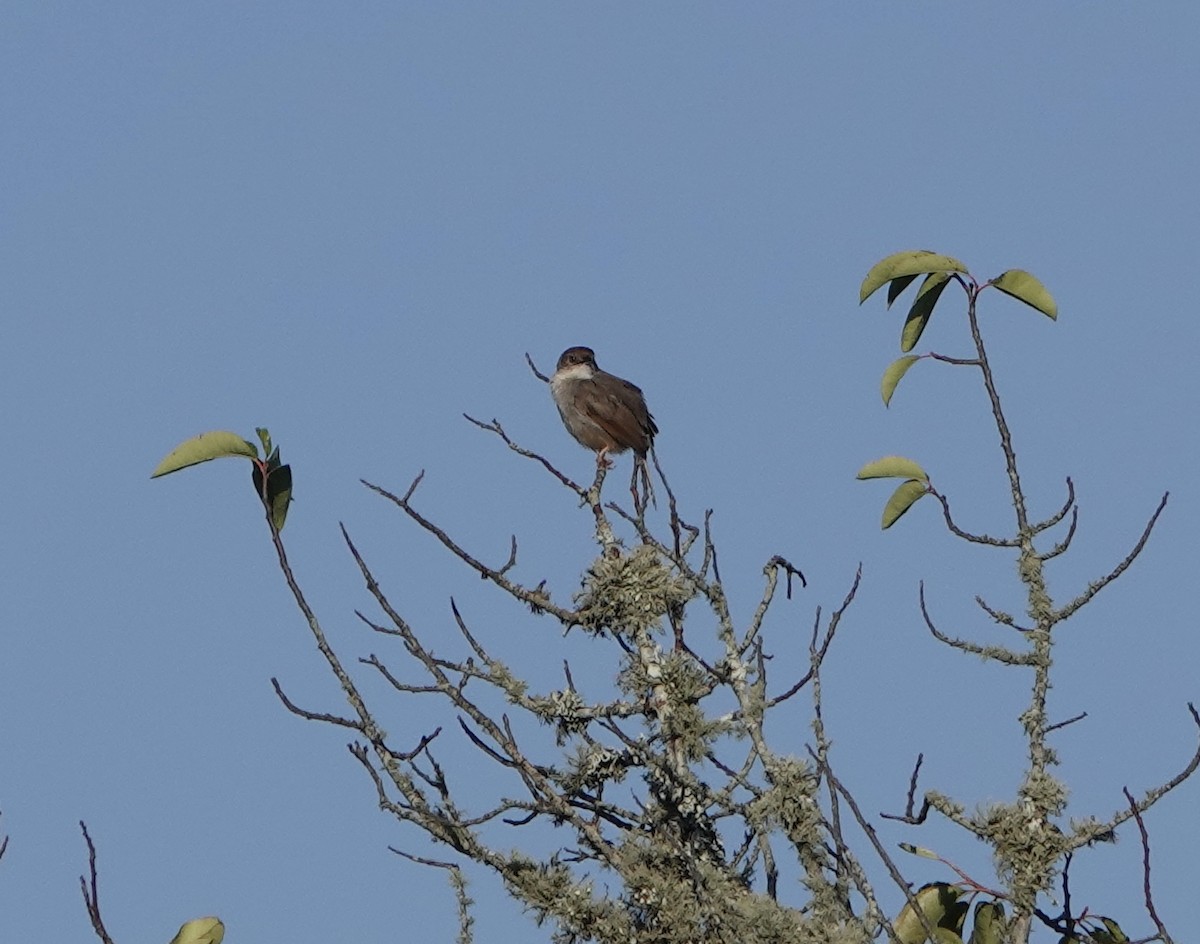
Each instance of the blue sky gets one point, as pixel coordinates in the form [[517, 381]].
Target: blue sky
[[350, 222]]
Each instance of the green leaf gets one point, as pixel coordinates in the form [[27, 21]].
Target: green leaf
[[264, 437], [939, 903], [278, 493], [892, 467], [201, 931], [922, 307], [1026, 288], [202, 448], [903, 498], [988, 926], [896, 369], [897, 286], [901, 264], [956, 916], [1111, 934], [920, 851]]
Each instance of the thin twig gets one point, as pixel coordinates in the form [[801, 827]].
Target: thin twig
[[1137, 815], [1094, 588], [537, 373], [495, 427], [999, 653], [1062, 546], [512, 558], [820, 651], [90, 886], [880, 851], [957, 361], [967, 535], [522, 593], [313, 715], [1058, 515], [908, 816], [1088, 834], [1062, 724], [1004, 619]]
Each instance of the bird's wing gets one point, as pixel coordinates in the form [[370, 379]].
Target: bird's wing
[[619, 409]]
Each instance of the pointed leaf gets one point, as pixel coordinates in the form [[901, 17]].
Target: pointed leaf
[[989, 924], [897, 286], [1026, 288], [920, 851], [896, 369], [903, 498], [935, 900], [956, 917], [264, 437], [202, 448], [892, 467], [201, 931], [901, 264], [922, 307], [1111, 933], [278, 492]]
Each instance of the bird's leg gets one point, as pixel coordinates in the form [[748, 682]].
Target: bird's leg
[[602, 460], [639, 501]]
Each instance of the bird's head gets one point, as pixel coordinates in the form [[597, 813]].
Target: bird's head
[[577, 361]]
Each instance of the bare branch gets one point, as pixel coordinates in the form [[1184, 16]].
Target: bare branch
[[771, 572], [967, 535], [908, 816], [1068, 506], [1094, 588], [491, 752], [421, 860], [678, 525], [792, 571], [1062, 724], [1003, 619], [1065, 543], [880, 851], [537, 373], [1058, 516], [1137, 815], [956, 361], [710, 549], [1006, 446], [820, 651], [525, 595], [313, 715], [512, 558], [999, 653], [1090, 833], [495, 427], [90, 886]]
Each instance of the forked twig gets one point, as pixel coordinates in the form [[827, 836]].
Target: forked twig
[[90, 886]]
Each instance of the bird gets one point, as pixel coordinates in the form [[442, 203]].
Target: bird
[[603, 412]]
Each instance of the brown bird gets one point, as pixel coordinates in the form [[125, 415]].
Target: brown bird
[[603, 412]]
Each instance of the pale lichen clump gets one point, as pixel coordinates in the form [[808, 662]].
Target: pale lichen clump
[[630, 592]]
